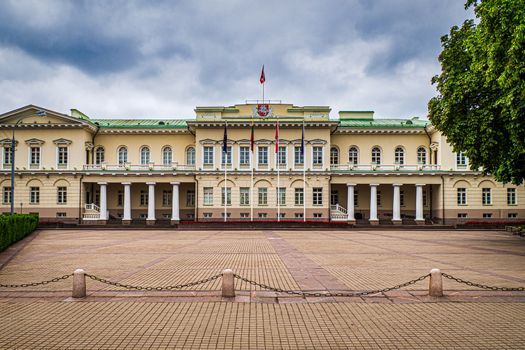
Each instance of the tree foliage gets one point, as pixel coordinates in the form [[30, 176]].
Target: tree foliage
[[480, 106]]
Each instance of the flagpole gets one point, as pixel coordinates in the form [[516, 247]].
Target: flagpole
[[304, 175], [225, 156], [251, 187]]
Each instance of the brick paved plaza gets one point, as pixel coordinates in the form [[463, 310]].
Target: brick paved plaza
[[46, 316]]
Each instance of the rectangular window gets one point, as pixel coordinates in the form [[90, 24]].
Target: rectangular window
[[402, 198], [190, 198], [61, 215], [281, 215], [6, 195], [462, 215], [166, 198], [245, 215], [511, 196], [228, 196], [263, 196], [317, 195], [244, 196], [61, 195], [207, 215], [298, 156], [262, 155], [244, 155], [281, 195], [356, 198], [486, 196], [334, 197], [281, 156], [228, 155], [318, 155], [7, 155], [462, 196], [512, 215], [208, 155], [34, 195], [318, 215], [62, 155], [263, 215], [35, 156], [143, 198], [208, 195], [299, 196], [299, 215], [227, 215], [461, 160], [487, 215], [120, 199], [378, 198]]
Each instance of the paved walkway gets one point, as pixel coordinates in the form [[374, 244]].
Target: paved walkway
[[46, 316]]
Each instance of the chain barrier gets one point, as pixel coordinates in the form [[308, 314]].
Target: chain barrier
[[34, 284], [331, 294], [482, 286], [160, 288]]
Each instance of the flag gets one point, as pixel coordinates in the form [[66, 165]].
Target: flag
[[263, 78], [225, 139], [277, 137], [252, 138], [302, 141]]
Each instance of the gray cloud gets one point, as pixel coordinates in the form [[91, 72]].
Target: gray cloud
[[162, 58]]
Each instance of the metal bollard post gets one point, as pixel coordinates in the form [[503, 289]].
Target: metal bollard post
[[435, 286], [79, 284], [228, 289]]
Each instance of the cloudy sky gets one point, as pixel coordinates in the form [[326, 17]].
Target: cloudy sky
[[162, 58]]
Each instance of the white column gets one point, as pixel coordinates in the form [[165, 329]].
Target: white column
[[175, 215], [103, 201], [419, 203], [127, 201], [373, 204], [350, 202], [151, 201], [396, 207]]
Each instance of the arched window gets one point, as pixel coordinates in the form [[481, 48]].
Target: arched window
[[334, 156], [399, 155], [422, 155], [167, 155], [122, 155], [99, 155], [353, 155], [190, 156], [144, 155], [376, 155]]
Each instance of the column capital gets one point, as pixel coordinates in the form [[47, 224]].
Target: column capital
[[374, 185], [349, 185], [150, 183], [126, 183], [420, 185], [102, 183], [174, 183], [397, 185]]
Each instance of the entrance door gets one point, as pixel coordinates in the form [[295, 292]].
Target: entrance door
[[334, 197]]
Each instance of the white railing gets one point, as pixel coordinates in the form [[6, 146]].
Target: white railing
[[92, 206], [384, 167], [139, 167], [338, 213], [91, 216], [338, 208]]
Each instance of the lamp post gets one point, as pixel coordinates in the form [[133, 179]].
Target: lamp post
[[39, 113]]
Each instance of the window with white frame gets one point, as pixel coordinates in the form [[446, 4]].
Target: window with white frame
[[298, 156], [244, 155], [245, 215], [34, 195], [378, 198], [317, 196], [99, 155], [167, 155], [262, 215], [244, 196], [122, 155], [486, 196], [7, 155], [281, 195], [422, 155], [62, 156], [61, 195], [208, 195], [120, 199], [144, 155], [299, 215], [334, 156], [6, 195], [487, 215], [226, 157], [353, 155], [207, 158], [262, 155], [35, 156], [190, 198], [461, 196], [166, 198], [462, 215], [207, 215], [317, 154], [376, 155], [511, 196], [461, 160], [512, 215], [399, 156], [228, 195], [402, 198], [190, 156], [356, 198], [144, 198], [334, 197], [263, 196], [299, 196], [281, 155]]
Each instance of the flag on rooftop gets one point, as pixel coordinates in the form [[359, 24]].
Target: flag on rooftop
[[263, 78]]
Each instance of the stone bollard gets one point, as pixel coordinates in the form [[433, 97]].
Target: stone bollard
[[228, 289], [79, 284], [435, 286]]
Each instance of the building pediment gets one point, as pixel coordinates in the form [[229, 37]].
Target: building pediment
[[317, 142], [7, 142], [35, 142], [62, 141]]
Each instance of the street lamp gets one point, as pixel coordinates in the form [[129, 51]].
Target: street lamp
[[39, 113]]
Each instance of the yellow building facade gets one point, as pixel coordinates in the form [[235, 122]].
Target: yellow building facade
[[352, 168]]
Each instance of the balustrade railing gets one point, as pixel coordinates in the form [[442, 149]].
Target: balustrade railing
[[384, 167]]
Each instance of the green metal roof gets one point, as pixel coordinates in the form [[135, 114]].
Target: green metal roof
[[141, 123], [383, 123]]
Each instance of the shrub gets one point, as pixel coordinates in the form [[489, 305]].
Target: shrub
[[15, 227]]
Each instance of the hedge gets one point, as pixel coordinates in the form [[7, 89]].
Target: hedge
[[15, 227]]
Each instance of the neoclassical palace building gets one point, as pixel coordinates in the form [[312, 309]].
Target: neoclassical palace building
[[351, 167]]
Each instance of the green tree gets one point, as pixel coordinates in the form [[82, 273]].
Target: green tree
[[480, 106]]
